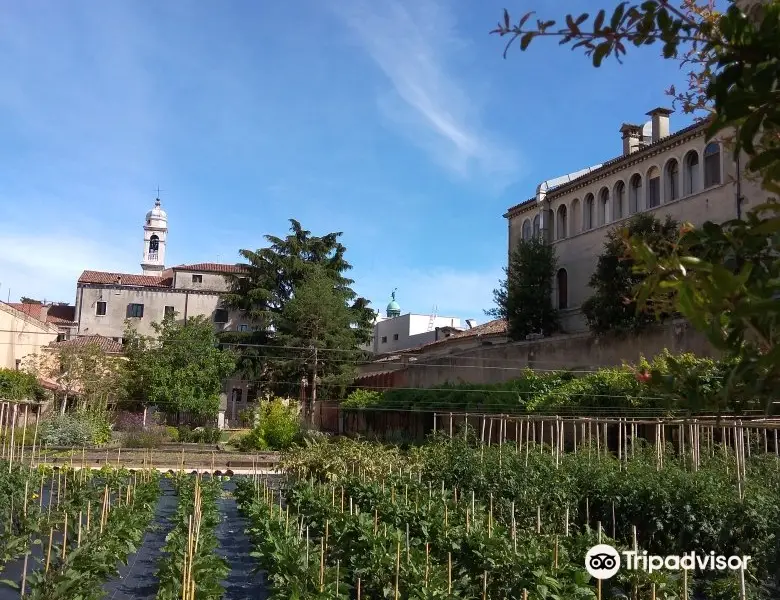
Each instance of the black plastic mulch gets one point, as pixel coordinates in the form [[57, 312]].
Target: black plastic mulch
[[242, 583], [137, 579]]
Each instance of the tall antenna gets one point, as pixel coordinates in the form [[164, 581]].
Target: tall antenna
[[432, 320]]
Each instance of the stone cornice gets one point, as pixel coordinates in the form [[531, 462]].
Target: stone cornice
[[139, 288]]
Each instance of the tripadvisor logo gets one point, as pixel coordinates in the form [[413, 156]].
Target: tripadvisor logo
[[603, 562]]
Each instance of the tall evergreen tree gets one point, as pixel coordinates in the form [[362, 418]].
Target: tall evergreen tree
[[613, 305], [270, 281], [524, 298]]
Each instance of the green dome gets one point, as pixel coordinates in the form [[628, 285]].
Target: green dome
[[393, 309]]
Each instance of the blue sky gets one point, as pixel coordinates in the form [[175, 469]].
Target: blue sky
[[397, 122]]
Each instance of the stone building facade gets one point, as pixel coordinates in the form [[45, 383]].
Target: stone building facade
[[678, 174], [107, 301]]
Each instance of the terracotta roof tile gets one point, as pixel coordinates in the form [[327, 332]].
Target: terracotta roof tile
[[108, 278], [61, 314], [57, 314], [211, 268], [612, 163], [495, 327], [31, 310], [106, 344]]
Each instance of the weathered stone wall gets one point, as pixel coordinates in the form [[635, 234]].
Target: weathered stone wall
[[500, 362]]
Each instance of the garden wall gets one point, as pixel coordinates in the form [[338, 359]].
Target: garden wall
[[501, 362]]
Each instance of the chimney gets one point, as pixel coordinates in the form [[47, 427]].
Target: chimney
[[660, 122], [44, 312], [119, 280], [632, 137]]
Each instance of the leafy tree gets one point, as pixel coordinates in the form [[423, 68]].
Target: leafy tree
[[270, 282], [87, 376], [613, 305], [26, 300], [524, 298], [179, 368], [725, 277]]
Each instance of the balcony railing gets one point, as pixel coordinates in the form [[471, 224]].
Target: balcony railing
[[152, 255]]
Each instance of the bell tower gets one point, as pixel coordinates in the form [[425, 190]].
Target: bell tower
[[155, 237]]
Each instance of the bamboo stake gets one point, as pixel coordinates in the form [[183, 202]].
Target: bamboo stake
[[24, 573], [13, 431], [24, 434], [397, 567], [65, 536], [48, 552], [35, 437], [449, 572], [2, 425], [78, 535]]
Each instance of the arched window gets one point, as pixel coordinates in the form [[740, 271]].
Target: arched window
[[561, 226], [588, 212], [526, 229], [653, 187], [672, 188], [691, 175], [619, 201], [575, 220], [154, 244], [711, 164], [563, 289], [634, 194], [603, 208]]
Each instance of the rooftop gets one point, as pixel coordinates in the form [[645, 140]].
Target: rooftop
[[211, 268], [57, 314], [106, 345], [495, 327], [112, 278], [164, 280], [562, 184]]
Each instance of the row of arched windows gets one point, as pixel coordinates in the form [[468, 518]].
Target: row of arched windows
[[641, 193]]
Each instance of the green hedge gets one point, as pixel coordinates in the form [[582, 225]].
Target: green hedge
[[668, 383]]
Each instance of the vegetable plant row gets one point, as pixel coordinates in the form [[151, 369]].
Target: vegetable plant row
[[495, 522], [190, 568], [72, 528]]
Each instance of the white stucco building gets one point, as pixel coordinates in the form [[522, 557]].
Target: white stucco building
[[662, 173], [394, 331]]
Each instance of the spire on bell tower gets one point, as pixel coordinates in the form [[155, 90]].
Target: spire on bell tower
[[155, 237]]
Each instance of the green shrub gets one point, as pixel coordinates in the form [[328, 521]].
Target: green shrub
[[74, 429], [362, 399], [19, 385], [199, 435], [152, 437], [172, 433], [278, 427]]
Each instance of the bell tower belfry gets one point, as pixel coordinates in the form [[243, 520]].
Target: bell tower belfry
[[155, 237]]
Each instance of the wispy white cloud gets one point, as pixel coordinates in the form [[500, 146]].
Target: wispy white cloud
[[82, 152], [455, 293], [412, 42], [47, 264]]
